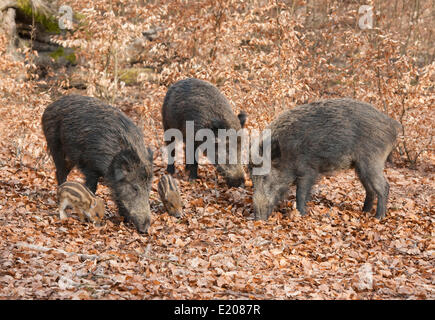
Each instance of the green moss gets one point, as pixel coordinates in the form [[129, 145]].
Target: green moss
[[79, 16], [130, 75], [414, 81], [60, 53], [49, 22], [71, 58]]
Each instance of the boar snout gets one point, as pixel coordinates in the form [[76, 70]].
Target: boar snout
[[235, 182], [142, 222], [176, 214], [141, 216], [234, 175]]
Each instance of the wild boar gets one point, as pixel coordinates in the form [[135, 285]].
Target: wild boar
[[322, 137], [102, 142], [201, 102]]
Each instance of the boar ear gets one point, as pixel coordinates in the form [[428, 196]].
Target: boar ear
[[120, 173], [242, 118], [218, 124], [120, 164], [93, 203]]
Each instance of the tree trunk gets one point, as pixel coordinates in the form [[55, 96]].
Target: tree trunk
[[8, 25], [30, 24]]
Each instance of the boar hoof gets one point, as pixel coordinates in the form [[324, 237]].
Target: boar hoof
[[380, 216], [302, 211], [235, 182], [170, 169], [192, 180]]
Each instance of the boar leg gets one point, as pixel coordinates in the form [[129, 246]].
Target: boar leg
[[170, 168], [82, 215], [370, 197], [63, 168], [193, 168], [382, 190], [370, 193], [91, 179], [63, 205], [171, 158], [373, 176], [303, 189]]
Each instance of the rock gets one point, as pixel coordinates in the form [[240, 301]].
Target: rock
[[131, 76]]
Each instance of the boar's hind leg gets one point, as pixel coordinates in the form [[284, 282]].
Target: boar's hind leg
[[171, 159], [382, 190], [370, 193], [192, 167], [63, 167], [91, 179], [193, 170], [304, 184], [62, 206], [373, 179], [170, 168]]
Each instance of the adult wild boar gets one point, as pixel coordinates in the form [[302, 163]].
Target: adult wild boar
[[322, 137], [199, 101], [102, 142]]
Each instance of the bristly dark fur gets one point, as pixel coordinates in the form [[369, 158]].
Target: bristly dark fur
[[199, 101], [322, 137], [87, 133]]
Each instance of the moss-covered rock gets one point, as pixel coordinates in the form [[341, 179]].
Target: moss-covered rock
[[64, 54], [131, 76], [41, 14]]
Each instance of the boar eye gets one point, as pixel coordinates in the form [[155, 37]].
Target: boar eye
[[135, 189]]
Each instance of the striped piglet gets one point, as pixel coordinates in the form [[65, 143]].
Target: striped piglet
[[82, 200], [170, 196]]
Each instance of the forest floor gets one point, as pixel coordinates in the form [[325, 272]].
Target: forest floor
[[266, 57], [216, 250]]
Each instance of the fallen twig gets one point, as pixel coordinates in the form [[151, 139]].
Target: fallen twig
[[82, 256], [246, 294], [164, 260]]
